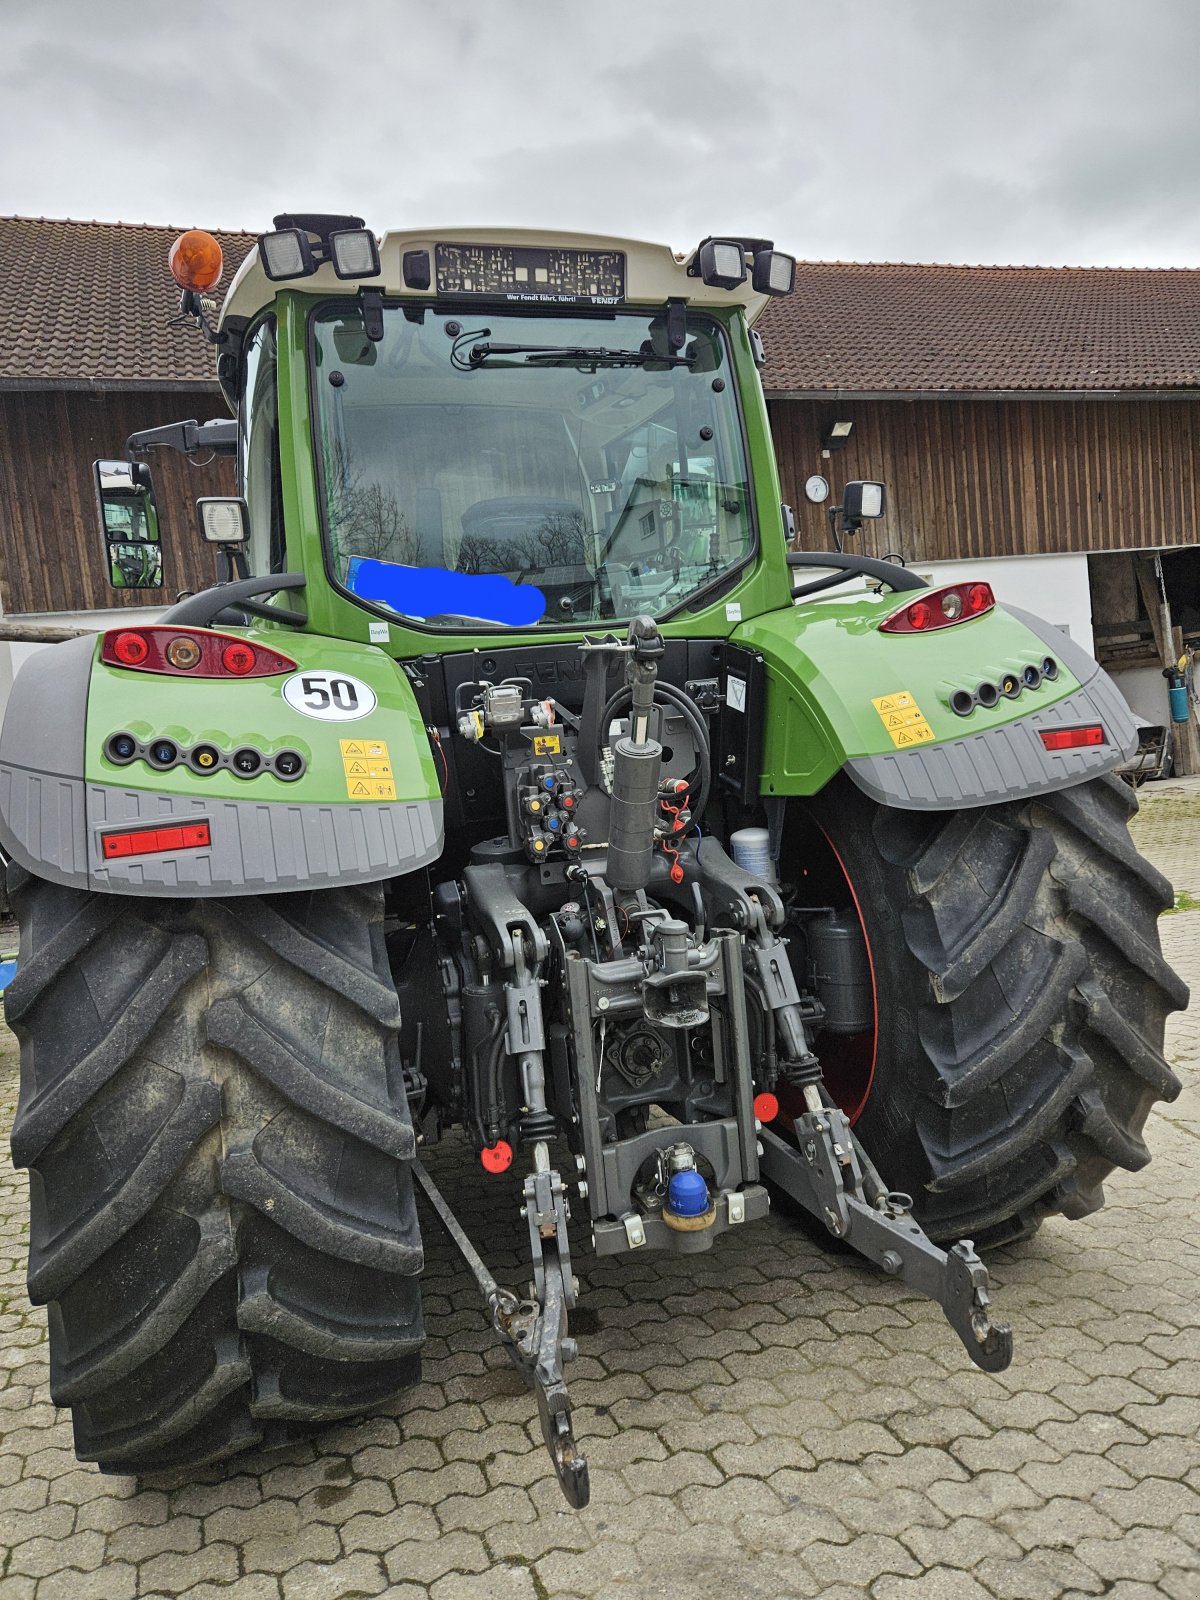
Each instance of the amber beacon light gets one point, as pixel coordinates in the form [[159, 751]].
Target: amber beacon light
[[196, 261]]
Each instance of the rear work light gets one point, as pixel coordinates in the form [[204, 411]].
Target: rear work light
[[155, 841], [1072, 738], [941, 608], [190, 653]]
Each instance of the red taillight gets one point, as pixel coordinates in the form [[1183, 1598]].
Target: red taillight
[[1072, 738], [238, 659], [155, 841], [194, 652], [941, 608], [129, 649]]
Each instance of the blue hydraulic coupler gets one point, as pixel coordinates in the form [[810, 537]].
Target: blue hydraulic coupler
[[687, 1194]]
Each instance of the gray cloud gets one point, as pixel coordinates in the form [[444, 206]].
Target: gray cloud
[[1057, 131]]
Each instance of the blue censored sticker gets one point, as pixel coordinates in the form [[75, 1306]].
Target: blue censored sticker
[[429, 592]]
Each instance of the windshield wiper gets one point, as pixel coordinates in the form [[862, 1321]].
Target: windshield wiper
[[576, 355]]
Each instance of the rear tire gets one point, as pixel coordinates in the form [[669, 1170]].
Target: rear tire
[[222, 1216], [1021, 997]]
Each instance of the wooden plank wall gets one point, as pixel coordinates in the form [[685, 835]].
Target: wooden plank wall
[[51, 552], [1001, 477]]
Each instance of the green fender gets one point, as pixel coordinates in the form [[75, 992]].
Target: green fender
[[355, 799], [841, 694]]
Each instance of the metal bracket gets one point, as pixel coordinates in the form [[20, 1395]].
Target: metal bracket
[[534, 1330], [825, 1175]]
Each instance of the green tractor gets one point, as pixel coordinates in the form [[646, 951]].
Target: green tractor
[[520, 777]]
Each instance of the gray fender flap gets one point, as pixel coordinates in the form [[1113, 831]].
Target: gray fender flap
[[260, 847], [52, 822], [1010, 762], [42, 810]]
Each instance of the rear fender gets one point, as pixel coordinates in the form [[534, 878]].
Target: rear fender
[[366, 804], [839, 693]]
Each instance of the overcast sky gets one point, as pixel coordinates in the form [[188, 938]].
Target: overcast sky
[[1047, 131]]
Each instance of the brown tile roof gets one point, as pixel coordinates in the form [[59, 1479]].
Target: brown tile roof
[[89, 302], [928, 329], [84, 302]]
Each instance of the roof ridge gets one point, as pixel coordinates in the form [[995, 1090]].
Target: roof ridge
[[129, 227], [977, 266]]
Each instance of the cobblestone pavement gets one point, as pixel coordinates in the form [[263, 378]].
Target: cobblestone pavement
[[763, 1422]]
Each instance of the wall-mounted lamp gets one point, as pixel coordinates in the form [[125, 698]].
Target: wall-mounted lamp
[[837, 436]]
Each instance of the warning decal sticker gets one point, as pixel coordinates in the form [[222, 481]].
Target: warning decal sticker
[[368, 769], [903, 719]]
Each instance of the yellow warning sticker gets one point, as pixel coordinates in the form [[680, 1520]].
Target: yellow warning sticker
[[900, 701], [547, 744], [903, 719], [919, 733], [368, 769]]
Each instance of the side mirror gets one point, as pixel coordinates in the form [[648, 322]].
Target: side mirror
[[129, 524], [862, 502]]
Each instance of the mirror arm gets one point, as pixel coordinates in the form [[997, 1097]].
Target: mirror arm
[[218, 436]]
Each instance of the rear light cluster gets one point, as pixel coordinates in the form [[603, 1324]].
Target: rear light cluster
[[941, 608], [244, 762], [190, 653], [1073, 738], [1008, 687]]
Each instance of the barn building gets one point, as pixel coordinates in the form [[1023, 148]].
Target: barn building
[[1041, 420], [1044, 421]]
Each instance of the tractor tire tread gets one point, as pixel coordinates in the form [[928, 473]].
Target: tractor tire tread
[[222, 1212]]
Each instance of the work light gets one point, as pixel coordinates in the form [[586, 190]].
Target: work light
[[286, 254], [224, 519], [774, 272], [722, 263], [354, 253]]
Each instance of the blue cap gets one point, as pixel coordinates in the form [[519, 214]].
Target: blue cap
[[687, 1194], [548, 782], [553, 824]]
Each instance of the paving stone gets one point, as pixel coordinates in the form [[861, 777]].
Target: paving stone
[[254, 1586], [1038, 1575], [115, 1580], [425, 1561], [500, 1582], [1085, 1474], [39, 1557], [1058, 1524], [477, 1513], [939, 1583], [1153, 1503], [359, 1574], [137, 1542], [1140, 1553], [173, 1574]]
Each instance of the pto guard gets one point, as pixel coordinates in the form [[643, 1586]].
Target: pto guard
[[841, 694], [366, 805]]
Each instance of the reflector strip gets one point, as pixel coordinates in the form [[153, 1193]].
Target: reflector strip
[[1072, 738], [155, 841]]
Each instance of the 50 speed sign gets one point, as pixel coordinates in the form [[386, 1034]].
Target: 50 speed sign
[[329, 696]]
